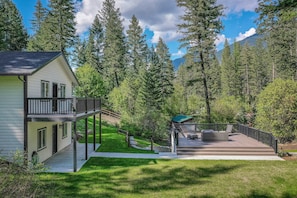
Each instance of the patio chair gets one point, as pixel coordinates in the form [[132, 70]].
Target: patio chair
[[229, 128]]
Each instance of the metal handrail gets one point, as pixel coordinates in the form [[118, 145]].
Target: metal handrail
[[62, 106]]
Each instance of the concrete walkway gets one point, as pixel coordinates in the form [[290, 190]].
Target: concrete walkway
[[62, 162]]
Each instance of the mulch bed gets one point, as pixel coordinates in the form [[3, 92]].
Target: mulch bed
[[286, 147]]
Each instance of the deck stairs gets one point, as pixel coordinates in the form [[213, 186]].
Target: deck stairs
[[245, 151]]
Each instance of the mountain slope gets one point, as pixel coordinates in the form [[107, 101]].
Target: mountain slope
[[249, 40]]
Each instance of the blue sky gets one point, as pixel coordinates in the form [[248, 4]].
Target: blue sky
[[159, 18]]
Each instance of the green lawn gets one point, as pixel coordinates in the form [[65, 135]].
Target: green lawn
[[109, 177], [112, 141], [117, 178]]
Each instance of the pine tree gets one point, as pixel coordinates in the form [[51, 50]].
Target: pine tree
[[114, 44], [94, 48], [136, 47], [260, 66], [166, 70], [247, 77], [39, 16], [238, 70], [278, 23], [226, 70], [57, 31], [79, 53], [200, 28], [13, 35]]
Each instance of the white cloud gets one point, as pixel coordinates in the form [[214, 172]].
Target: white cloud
[[86, 14], [248, 33], [179, 54], [236, 6], [161, 17], [220, 39]]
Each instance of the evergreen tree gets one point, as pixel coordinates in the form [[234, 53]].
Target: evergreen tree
[[39, 16], [260, 67], [79, 53], [214, 74], [226, 70], [247, 73], [200, 28], [114, 44], [95, 45], [237, 70], [152, 83], [166, 70], [136, 47], [279, 25], [57, 31], [13, 36]]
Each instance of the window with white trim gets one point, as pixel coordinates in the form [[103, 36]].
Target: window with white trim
[[65, 130], [41, 138], [62, 90], [44, 89]]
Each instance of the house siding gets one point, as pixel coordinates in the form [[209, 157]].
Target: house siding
[[11, 115], [53, 73], [46, 152]]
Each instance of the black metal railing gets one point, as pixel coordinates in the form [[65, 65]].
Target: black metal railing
[[198, 127], [61, 106], [264, 137], [261, 136]]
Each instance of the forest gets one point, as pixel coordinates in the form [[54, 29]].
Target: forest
[[250, 84]]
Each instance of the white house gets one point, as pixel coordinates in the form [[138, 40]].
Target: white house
[[37, 109]]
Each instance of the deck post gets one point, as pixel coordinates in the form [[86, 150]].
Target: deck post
[[74, 147], [100, 123], [86, 138], [94, 132]]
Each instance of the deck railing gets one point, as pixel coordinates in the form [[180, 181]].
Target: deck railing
[[61, 106], [264, 137], [261, 136]]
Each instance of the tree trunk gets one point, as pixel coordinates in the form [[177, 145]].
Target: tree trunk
[[206, 94]]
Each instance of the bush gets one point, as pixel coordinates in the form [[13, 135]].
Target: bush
[[277, 109], [228, 110], [18, 179]]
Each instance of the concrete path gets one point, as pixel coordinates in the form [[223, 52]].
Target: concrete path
[[62, 162]]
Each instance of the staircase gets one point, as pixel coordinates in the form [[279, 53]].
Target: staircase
[[250, 151]]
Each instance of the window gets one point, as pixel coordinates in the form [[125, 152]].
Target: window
[[44, 89], [64, 133], [41, 141], [62, 90]]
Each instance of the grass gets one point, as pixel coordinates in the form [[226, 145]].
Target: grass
[[291, 150], [112, 141], [112, 177]]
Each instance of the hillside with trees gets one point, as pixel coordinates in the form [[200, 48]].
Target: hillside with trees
[[246, 84]]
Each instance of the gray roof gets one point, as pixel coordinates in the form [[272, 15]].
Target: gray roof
[[24, 63]]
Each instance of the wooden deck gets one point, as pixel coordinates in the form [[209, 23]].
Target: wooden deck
[[235, 140], [238, 144]]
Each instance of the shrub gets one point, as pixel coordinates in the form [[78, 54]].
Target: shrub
[[227, 110], [277, 109], [18, 179]]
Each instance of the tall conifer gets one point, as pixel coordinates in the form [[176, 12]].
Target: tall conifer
[[114, 49], [200, 26], [13, 35], [136, 47]]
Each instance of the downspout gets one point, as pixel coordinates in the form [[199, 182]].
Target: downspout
[[25, 97]]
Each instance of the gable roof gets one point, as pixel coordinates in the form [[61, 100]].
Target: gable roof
[[27, 63]]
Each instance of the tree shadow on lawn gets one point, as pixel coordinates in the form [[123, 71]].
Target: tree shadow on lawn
[[112, 177]]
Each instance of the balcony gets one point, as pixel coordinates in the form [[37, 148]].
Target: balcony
[[61, 109]]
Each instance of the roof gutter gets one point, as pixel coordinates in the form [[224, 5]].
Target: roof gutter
[[25, 97]]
